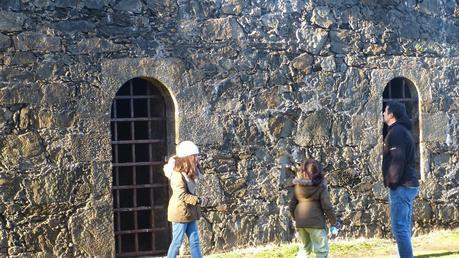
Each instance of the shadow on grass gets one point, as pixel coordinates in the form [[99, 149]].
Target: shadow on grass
[[436, 254]]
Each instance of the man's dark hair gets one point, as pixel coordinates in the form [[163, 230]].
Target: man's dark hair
[[396, 108]]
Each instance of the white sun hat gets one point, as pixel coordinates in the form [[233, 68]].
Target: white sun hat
[[186, 148]]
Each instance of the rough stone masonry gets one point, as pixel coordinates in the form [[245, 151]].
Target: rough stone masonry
[[259, 85]]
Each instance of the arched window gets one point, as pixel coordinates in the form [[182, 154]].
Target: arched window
[[139, 124], [403, 90]]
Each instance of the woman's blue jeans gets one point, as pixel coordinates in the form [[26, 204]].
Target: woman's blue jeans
[[401, 209], [178, 232]]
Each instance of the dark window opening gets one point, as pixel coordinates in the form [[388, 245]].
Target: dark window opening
[[124, 153], [143, 174], [125, 176], [403, 90], [143, 197], [140, 189], [143, 218], [123, 108], [128, 241], [141, 130], [145, 241], [123, 130], [140, 108]]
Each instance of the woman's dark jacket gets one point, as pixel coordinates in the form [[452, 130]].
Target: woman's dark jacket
[[399, 157]]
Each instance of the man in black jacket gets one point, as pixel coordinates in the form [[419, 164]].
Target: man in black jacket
[[399, 174]]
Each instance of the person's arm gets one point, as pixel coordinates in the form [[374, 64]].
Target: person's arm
[[178, 186], [327, 206], [397, 159]]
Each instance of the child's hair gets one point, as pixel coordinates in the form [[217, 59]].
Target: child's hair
[[312, 170], [187, 165]]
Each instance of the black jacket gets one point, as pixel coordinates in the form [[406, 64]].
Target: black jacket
[[399, 157]]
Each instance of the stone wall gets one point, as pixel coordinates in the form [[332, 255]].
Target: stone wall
[[260, 85]]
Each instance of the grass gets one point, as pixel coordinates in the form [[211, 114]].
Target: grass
[[444, 243]]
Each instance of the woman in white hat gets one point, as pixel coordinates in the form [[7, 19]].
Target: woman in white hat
[[184, 205]]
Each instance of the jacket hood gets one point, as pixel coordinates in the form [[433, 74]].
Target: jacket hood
[[404, 121], [169, 167], [307, 188]]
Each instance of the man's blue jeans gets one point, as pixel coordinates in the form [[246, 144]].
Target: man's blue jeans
[[401, 209], [178, 232]]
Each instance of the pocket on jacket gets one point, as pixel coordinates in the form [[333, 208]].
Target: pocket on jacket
[[183, 207]]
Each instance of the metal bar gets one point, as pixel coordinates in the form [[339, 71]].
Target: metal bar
[[153, 240], [152, 200], [136, 221], [134, 195], [117, 175], [138, 186], [138, 141], [150, 150], [403, 88], [144, 208], [118, 218], [167, 193], [138, 97], [138, 119], [119, 229], [154, 98], [116, 179], [143, 253], [127, 164], [115, 148], [400, 99], [390, 89], [114, 122], [118, 205], [134, 192], [150, 172], [146, 230]]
